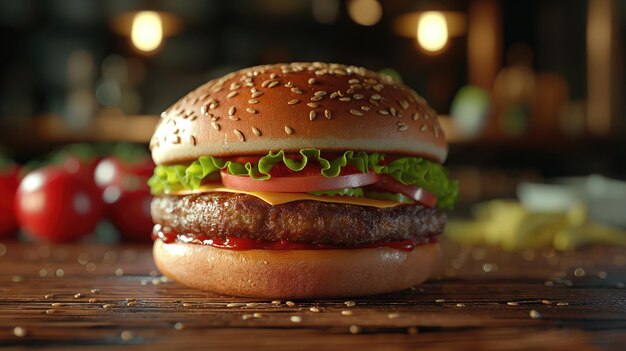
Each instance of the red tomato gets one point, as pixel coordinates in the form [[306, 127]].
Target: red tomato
[[127, 196], [56, 206], [82, 167], [299, 184], [8, 187], [418, 194]]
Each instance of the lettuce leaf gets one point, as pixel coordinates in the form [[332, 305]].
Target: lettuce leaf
[[353, 192], [408, 170]]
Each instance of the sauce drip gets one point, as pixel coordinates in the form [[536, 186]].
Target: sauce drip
[[168, 236]]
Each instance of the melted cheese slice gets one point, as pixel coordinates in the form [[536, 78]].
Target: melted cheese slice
[[281, 198]]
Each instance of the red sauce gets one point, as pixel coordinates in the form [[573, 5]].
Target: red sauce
[[168, 236]]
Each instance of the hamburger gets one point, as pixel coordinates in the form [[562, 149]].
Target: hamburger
[[300, 180]]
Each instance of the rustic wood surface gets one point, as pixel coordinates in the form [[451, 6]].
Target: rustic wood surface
[[479, 298]]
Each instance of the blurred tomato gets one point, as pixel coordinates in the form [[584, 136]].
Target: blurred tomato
[[127, 195], [8, 187], [55, 205]]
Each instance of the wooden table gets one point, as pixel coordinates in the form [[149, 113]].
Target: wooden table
[[479, 298]]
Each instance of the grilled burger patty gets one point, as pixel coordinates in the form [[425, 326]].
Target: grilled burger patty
[[239, 215]]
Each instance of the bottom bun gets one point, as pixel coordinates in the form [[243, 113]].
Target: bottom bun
[[295, 274]]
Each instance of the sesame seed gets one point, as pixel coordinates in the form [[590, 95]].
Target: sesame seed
[[579, 272], [290, 303], [534, 314], [355, 329], [239, 135], [357, 96], [314, 309], [460, 305], [19, 332], [273, 75], [423, 129], [266, 83], [256, 94], [251, 304], [57, 304], [546, 302], [293, 102], [356, 112], [295, 319], [246, 316], [93, 300], [346, 313], [234, 86], [253, 101], [126, 335], [402, 127], [257, 315], [512, 303], [48, 296], [108, 305], [350, 303], [232, 94], [251, 110], [415, 116], [376, 97], [235, 304], [440, 300], [276, 302], [312, 104], [354, 81], [334, 95], [179, 326], [288, 85], [232, 110], [215, 126], [204, 109], [562, 303], [296, 91], [320, 93], [213, 106], [312, 115], [383, 112], [404, 104], [163, 114], [392, 111], [317, 98], [345, 98], [78, 295], [256, 131], [233, 118], [131, 303], [273, 84], [311, 81], [365, 108], [51, 311], [393, 315], [327, 114]]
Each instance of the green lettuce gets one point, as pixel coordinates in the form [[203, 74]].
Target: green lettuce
[[353, 192], [417, 171]]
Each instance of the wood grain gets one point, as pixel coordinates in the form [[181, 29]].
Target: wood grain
[[479, 298]]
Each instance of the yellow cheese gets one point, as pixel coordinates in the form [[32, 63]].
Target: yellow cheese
[[281, 198]]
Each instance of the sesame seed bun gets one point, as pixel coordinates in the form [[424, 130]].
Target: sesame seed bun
[[295, 274], [331, 107]]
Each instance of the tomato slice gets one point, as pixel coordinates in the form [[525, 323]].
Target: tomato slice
[[420, 195], [299, 183]]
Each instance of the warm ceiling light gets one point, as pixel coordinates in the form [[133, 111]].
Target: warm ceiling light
[[432, 31], [147, 31], [365, 12]]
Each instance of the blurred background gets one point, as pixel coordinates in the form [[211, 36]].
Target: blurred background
[[530, 93]]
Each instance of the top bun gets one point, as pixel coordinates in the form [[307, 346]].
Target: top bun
[[331, 107]]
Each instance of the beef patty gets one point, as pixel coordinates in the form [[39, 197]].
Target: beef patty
[[239, 215]]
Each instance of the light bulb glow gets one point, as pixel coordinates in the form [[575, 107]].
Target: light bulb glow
[[432, 31], [147, 31]]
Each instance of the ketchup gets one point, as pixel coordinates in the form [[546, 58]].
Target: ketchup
[[168, 236]]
